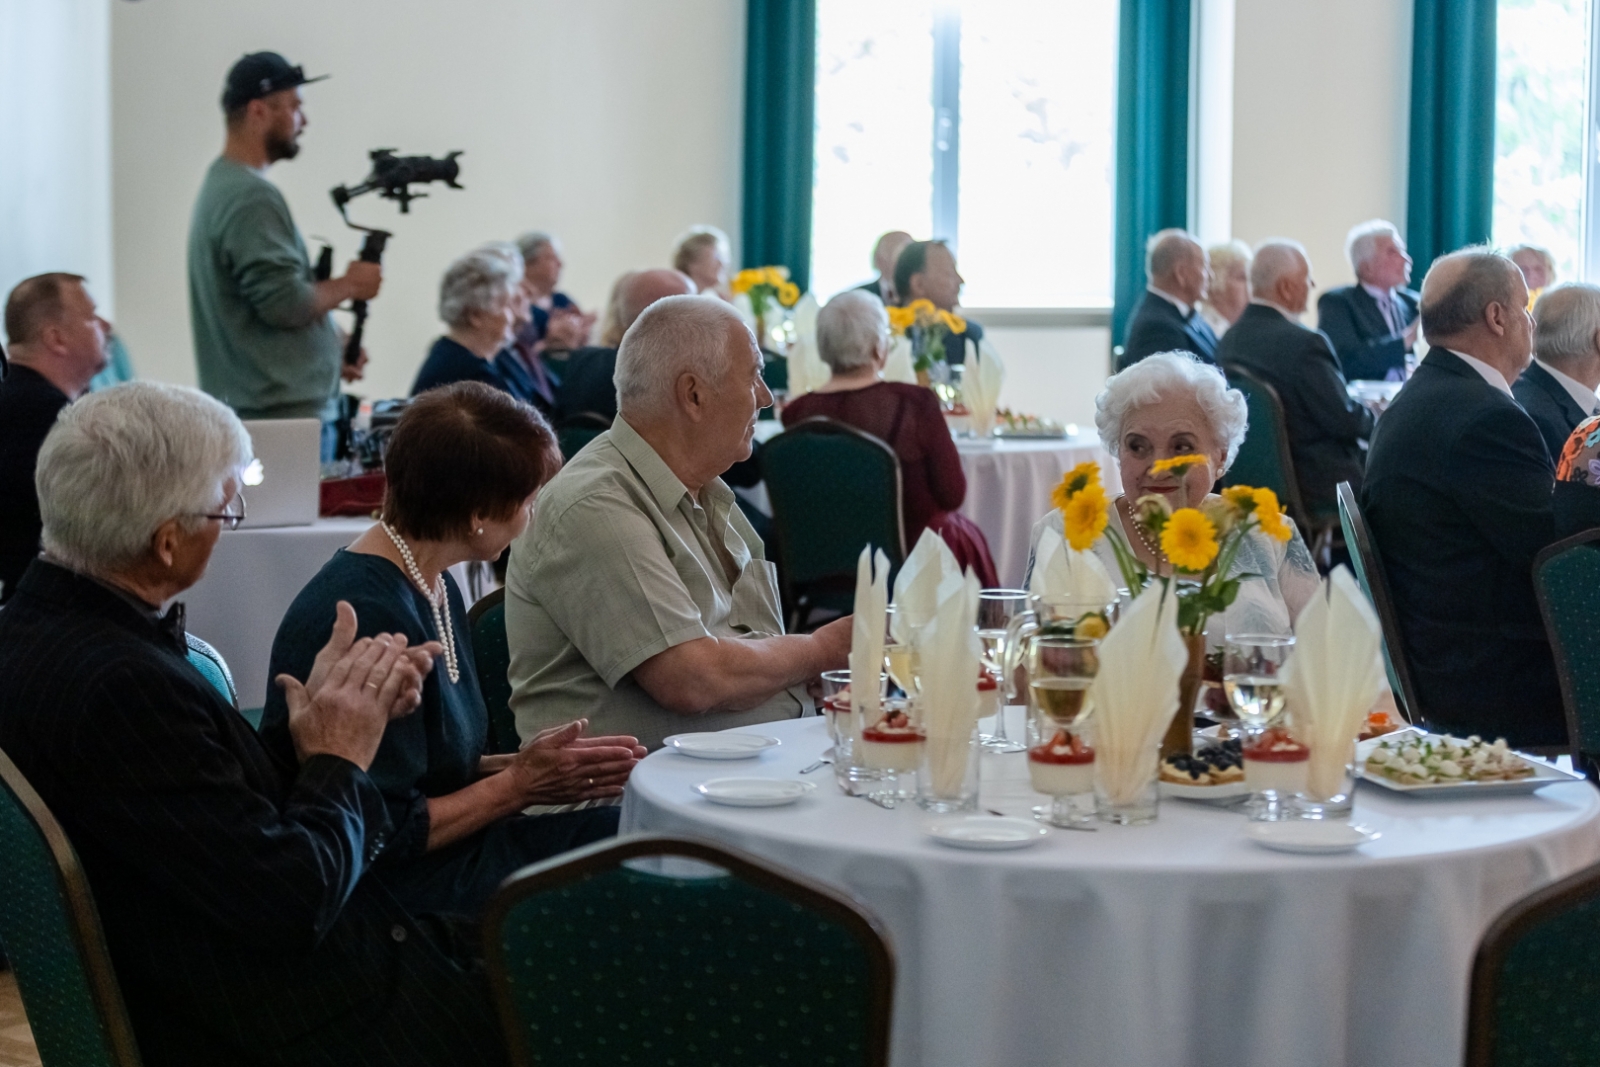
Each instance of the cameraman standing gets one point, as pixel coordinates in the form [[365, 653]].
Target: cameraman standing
[[264, 340]]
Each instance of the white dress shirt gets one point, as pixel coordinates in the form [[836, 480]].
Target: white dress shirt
[[1581, 394], [1183, 309], [1488, 373], [1385, 301]]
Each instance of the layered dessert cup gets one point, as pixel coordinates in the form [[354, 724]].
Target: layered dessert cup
[[1062, 766], [893, 743], [1276, 762]]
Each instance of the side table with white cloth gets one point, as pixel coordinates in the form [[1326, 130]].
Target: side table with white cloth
[[1179, 944]]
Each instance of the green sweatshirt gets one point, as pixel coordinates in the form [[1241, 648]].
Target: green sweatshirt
[[259, 346]]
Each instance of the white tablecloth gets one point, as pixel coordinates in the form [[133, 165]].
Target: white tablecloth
[[1008, 488], [1179, 944]]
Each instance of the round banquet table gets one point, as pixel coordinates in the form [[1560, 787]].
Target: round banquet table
[[1179, 944], [1009, 482]]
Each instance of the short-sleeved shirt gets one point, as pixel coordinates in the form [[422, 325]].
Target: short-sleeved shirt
[[620, 563], [259, 344]]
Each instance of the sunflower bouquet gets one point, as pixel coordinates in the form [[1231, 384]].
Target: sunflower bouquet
[[927, 327], [1201, 542], [764, 286]]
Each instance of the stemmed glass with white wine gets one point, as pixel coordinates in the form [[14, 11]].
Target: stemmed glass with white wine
[[1252, 676], [996, 609]]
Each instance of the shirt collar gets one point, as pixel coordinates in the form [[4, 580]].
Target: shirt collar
[[1488, 373], [1183, 309], [1376, 293], [1279, 308], [667, 489], [1581, 394]]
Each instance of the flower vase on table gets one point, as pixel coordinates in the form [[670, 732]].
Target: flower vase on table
[[771, 295], [928, 328]]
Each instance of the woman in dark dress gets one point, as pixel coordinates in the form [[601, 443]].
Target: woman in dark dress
[[480, 300], [853, 339], [463, 466]]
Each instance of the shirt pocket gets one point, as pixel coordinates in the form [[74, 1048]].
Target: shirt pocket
[[755, 607]]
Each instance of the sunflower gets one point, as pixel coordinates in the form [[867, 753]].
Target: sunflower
[[901, 319], [744, 281], [923, 307], [1084, 518], [1270, 515], [1176, 464], [775, 276], [1189, 540], [1075, 481], [788, 294], [1240, 496]]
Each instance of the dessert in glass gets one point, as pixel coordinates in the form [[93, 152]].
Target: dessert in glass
[[891, 748], [1062, 768], [837, 707], [1276, 767], [1061, 668]]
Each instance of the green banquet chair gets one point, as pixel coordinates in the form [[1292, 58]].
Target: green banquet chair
[[1566, 578], [834, 490], [1369, 572], [51, 932], [1536, 980], [1264, 460], [575, 431], [596, 957], [491, 655]]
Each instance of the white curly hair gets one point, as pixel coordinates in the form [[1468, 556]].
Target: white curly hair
[[1163, 375]]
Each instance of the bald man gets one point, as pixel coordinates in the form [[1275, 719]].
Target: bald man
[[884, 255], [1165, 318], [1458, 499], [586, 382]]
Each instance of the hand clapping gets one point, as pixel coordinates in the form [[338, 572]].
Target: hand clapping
[[561, 766]]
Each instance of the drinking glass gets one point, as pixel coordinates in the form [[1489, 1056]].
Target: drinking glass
[[892, 748], [996, 610], [848, 771], [1252, 668]]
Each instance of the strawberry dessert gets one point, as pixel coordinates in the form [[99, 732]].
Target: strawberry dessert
[[1062, 766], [893, 743], [1276, 761]]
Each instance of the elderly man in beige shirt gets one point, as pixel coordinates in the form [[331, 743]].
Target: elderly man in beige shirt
[[639, 596]]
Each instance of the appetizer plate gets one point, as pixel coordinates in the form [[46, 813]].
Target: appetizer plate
[[754, 792], [1543, 774], [1208, 794], [985, 832], [1310, 836], [726, 745]]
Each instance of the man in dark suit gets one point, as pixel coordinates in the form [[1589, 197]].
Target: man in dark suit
[[233, 888], [884, 255], [1372, 324], [1327, 430], [1558, 388], [1458, 498], [926, 270], [1165, 319]]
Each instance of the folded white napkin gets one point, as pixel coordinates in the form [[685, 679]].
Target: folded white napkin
[[1333, 677], [1135, 693], [1059, 570], [741, 304], [980, 387], [807, 372], [900, 367], [949, 656], [929, 576], [866, 633]]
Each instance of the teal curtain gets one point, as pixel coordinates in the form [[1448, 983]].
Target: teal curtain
[[1450, 199], [1152, 190], [779, 134]]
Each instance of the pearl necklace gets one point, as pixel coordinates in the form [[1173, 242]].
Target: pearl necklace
[[436, 599], [1138, 531]]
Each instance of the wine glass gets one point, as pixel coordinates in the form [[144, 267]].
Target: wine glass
[[1061, 669], [1252, 669], [996, 609]]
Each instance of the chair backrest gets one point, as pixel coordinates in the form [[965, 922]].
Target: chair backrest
[[491, 655], [834, 490], [1566, 578], [52, 937], [593, 959], [1264, 459], [1536, 980], [1370, 573], [209, 662], [578, 429]]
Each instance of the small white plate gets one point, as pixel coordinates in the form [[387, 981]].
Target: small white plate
[[725, 745], [1206, 794], [754, 792], [985, 831], [1311, 836]]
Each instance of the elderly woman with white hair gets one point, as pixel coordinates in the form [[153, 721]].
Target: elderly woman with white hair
[[1168, 405], [233, 886], [481, 301], [853, 340], [1227, 286]]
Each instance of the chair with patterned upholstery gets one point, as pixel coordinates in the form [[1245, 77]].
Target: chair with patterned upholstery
[[209, 662], [52, 936], [1536, 980], [1566, 578], [618, 954], [491, 655], [1375, 583]]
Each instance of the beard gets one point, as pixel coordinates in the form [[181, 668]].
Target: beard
[[280, 146]]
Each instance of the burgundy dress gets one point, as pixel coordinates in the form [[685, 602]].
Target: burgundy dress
[[932, 486]]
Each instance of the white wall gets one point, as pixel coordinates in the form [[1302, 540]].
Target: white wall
[[613, 123], [55, 126]]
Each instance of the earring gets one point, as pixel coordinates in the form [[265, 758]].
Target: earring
[[480, 531]]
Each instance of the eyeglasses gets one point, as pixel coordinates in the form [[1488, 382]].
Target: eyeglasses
[[230, 519]]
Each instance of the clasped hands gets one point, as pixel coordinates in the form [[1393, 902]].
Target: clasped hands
[[562, 766]]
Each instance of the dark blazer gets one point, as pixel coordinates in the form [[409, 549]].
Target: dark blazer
[[1327, 430], [1350, 317], [1458, 498], [29, 405], [587, 383], [232, 888], [1550, 406], [1156, 325], [875, 287]]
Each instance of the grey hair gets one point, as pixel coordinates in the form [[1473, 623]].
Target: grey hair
[[1275, 258], [850, 327], [1166, 249], [676, 335], [477, 280], [120, 462], [1566, 322], [1487, 277], [1228, 256], [1167, 374], [532, 243], [1361, 244]]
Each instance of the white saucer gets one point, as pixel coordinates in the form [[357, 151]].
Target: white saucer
[[1314, 836], [753, 792], [985, 831], [721, 746], [1206, 794]]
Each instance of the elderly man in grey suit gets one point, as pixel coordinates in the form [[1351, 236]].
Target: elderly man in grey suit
[[1558, 388], [1372, 324]]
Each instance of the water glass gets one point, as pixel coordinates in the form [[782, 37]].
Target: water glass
[[997, 609], [1252, 669]]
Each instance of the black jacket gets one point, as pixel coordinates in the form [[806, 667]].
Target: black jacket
[[29, 405], [1156, 325], [1350, 317], [1327, 430], [232, 888], [1458, 498], [1550, 406]]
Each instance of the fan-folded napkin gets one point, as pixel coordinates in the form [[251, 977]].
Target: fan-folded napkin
[[899, 366], [949, 658], [1061, 571], [866, 633], [807, 372], [980, 386], [1135, 693], [930, 576]]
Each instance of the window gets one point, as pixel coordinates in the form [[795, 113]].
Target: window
[[989, 125]]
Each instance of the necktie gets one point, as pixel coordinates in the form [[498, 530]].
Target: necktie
[[1390, 318]]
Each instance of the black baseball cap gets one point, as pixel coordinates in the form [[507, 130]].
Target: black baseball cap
[[261, 74]]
